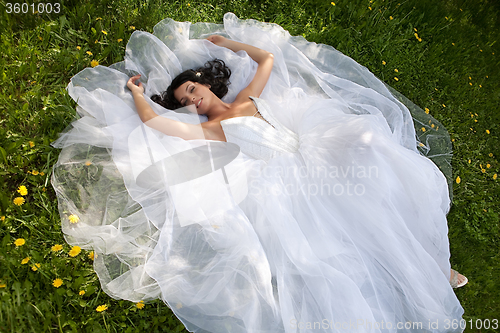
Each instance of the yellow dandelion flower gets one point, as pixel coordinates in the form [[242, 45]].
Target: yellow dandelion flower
[[475, 120], [73, 218], [370, 8], [427, 110], [22, 190], [131, 27], [104, 32], [87, 163], [119, 40], [57, 283], [470, 83], [490, 154], [101, 308], [35, 267], [488, 166], [332, 3], [495, 176], [96, 41], [443, 105], [390, 17], [34, 173], [423, 129], [189, 5], [483, 170], [91, 255], [396, 70], [97, 19], [19, 242], [432, 125], [89, 53], [480, 86], [25, 261], [487, 131], [75, 250], [469, 161], [421, 144], [458, 180], [395, 78], [31, 143], [2, 218], [78, 48], [57, 247], [94, 63], [383, 62], [453, 44], [140, 305], [81, 292], [2, 285], [42, 173]]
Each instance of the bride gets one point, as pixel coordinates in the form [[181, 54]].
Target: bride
[[308, 209]]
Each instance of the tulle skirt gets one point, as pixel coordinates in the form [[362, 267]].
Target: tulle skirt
[[348, 233]]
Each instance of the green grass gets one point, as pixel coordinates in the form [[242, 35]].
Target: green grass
[[453, 71]]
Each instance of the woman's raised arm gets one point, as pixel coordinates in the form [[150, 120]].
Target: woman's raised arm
[[263, 58], [165, 125]]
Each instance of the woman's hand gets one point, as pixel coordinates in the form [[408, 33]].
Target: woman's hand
[[135, 89], [217, 39]]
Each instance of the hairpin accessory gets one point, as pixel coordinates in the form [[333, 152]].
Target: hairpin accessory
[[198, 74]]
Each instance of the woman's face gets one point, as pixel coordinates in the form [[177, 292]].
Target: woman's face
[[194, 93]]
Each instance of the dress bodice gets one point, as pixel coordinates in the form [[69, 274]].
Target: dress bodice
[[260, 138]]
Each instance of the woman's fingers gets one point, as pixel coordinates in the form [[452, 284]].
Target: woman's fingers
[[216, 39], [134, 78], [131, 83]]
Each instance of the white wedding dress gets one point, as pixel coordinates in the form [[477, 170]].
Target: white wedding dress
[[320, 216]]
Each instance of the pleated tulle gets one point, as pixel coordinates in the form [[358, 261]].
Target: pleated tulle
[[350, 229]]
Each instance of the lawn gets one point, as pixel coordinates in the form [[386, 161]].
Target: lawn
[[442, 55]]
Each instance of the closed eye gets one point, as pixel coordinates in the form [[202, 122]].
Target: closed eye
[[184, 101]]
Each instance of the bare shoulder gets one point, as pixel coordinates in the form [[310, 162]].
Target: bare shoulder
[[213, 131]]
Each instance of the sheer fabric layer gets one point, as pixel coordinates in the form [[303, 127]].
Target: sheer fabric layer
[[345, 224]]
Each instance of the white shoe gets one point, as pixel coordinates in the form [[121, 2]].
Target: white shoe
[[454, 279]]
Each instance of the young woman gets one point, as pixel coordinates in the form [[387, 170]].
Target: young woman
[[192, 92], [343, 223]]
